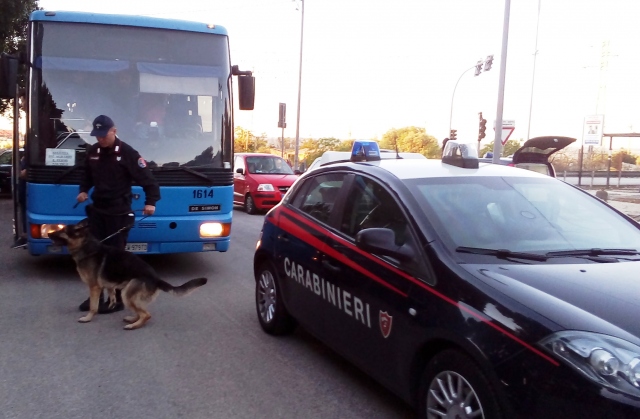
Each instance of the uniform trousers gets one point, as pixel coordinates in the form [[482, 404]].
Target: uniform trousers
[[103, 223]]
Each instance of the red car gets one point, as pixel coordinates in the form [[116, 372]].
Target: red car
[[260, 180]]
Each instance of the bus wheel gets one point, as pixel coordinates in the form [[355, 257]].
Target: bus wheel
[[272, 315], [453, 386], [250, 205]]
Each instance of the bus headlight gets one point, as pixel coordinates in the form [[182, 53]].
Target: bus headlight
[[209, 230], [41, 231]]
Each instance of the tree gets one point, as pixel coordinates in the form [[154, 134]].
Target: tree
[[622, 156], [507, 150], [411, 140], [246, 142], [315, 148], [13, 32], [289, 143]]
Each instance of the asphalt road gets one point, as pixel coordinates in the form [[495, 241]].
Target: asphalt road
[[200, 356]]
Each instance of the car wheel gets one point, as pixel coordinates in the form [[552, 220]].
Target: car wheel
[[250, 205], [273, 316], [453, 386]]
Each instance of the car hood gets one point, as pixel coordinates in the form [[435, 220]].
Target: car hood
[[602, 298], [276, 180]]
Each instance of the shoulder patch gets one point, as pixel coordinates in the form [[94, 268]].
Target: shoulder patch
[[142, 163]]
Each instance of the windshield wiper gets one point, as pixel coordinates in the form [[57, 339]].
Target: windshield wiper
[[184, 169], [502, 253], [593, 252]]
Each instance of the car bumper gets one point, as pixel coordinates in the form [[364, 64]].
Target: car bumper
[[266, 200], [536, 390]]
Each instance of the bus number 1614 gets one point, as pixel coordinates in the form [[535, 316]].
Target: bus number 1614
[[203, 193]]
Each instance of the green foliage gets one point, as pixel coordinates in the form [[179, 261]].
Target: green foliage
[[315, 148], [14, 17], [622, 156], [246, 142], [411, 140], [507, 150]]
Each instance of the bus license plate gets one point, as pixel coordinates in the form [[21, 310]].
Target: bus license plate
[[136, 247]]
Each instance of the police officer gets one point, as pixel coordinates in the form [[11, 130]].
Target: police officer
[[111, 166]]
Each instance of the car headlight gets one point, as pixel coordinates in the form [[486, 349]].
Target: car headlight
[[607, 360], [265, 187]]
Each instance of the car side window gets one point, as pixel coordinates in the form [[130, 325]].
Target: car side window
[[318, 196], [372, 206]]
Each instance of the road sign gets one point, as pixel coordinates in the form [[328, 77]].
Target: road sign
[[592, 131], [282, 115], [508, 125]]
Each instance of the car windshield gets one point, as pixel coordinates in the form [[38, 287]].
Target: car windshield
[[271, 165], [521, 214]]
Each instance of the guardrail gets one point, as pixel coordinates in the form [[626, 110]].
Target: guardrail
[[600, 173]]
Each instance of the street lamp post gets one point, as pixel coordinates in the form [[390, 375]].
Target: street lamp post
[[295, 159], [454, 94], [478, 67]]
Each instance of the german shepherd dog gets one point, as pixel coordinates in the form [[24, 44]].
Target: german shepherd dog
[[105, 267]]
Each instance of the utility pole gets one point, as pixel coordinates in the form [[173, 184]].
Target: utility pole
[[533, 76], [497, 143], [295, 160]]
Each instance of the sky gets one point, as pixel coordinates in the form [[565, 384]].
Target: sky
[[372, 65]]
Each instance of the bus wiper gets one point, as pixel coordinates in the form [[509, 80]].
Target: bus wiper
[[502, 253], [594, 252], [65, 173], [184, 169]]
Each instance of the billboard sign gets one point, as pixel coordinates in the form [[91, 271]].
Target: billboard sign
[[592, 130]]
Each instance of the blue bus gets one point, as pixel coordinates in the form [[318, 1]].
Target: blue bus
[[167, 84]]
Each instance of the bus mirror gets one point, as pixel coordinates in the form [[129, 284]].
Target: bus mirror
[[8, 76], [247, 92]]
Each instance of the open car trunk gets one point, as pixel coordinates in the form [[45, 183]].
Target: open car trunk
[[535, 152]]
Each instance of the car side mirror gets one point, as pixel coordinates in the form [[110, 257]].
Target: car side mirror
[[240, 170], [381, 241], [297, 172]]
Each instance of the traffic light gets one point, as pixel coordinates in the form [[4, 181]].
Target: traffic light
[[452, 134], [478, 68], [488, 62], [483, 128]]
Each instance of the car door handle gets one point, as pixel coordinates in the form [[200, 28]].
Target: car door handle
[[284, 237], [330, 266]]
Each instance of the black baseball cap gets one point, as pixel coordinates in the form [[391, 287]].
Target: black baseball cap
[[101, 126]]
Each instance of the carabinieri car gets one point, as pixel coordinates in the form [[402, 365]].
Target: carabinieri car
[[470, 290]]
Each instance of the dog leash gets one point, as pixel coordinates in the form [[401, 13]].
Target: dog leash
[[129, 227]]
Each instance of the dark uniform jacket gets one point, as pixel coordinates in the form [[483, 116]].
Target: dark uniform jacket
[[111, 171]]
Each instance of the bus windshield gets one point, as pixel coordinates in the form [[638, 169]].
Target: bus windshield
[[167, 91]]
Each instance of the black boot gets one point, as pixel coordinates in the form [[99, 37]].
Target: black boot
[[86, 303], [104, 307]]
